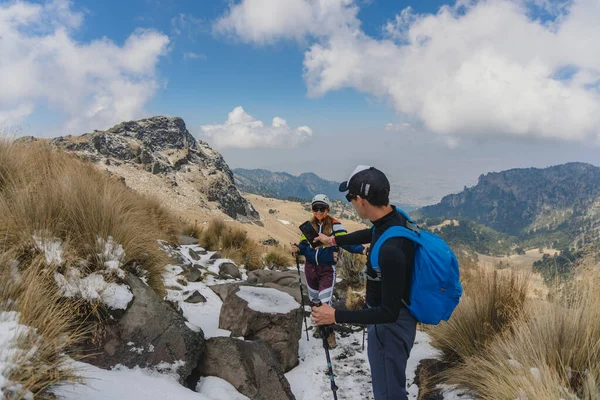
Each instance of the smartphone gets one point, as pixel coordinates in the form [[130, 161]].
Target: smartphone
[[310, 233]]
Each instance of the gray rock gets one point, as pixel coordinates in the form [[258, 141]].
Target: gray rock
[[249, 366], [196, 254], [229, 270], [280, 331], [187, 240], [222, 290], [215, 256], [196, 297], [194, 274], [287, 278], [150, 333]]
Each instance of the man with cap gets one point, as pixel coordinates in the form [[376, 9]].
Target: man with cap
[[391, 327]]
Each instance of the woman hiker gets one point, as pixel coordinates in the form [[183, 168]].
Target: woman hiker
[[319, 267]]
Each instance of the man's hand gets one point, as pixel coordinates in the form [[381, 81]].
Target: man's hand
[[323, 239], [323, 315]]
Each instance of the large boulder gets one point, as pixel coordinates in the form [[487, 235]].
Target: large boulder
[[250, 366], [287, 278], [223, 289], [285, 281], [149, 333], [268, 314]]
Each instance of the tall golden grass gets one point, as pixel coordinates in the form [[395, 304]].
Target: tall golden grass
[[49, 195], [551, 351], [278, 258], [492, 300], [233, 243], [350, 268], [502, 345], [41, 361]]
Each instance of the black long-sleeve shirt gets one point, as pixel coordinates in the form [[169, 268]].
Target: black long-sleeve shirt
[[396, 259]]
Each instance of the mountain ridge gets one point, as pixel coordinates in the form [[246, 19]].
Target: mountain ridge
[[561, 202]]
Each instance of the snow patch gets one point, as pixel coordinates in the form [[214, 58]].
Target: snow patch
[[453, 392], [203, 316], [52, 248], [93, 288], [112, 255], [218, 389], [10, 331], [125, 383], [283, 221], [267, 300]]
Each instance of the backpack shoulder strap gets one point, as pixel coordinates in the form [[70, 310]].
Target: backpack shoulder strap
[[410, 231]]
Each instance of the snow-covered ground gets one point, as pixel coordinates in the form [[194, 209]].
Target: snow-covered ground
[[308, 380]]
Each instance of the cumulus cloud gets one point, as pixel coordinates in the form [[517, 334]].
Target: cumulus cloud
[[93, 84], [244, 131], [481, 68], [266, 21]]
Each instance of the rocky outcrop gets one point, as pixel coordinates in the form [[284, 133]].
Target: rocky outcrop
[[249, 366], [150, 334], [162, 145], [267, 314]]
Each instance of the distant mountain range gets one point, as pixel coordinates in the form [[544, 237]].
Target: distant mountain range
[[281, 185], [557, 206]]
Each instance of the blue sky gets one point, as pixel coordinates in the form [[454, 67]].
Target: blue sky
[[433, 92]]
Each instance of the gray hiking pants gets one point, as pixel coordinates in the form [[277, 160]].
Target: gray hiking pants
[[389, 346]]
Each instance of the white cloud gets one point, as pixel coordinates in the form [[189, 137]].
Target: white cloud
[[266, 21], [241, 130], [481, 68], [189, 55], [15, 116], [94, 84]]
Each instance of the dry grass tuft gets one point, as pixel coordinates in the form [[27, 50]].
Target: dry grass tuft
[[233, 243], [252, 257], [350, 267], [51, 199], [42, 361], [492, 301], [552, 351], [190, 229], [210, 238], [278, 258], [355, 299]]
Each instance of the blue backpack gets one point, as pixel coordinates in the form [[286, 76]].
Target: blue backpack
[[435, 288]]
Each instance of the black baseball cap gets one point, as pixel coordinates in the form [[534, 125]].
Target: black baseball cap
[[365, 181]]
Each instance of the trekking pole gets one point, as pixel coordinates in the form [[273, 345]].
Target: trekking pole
[[364, 330], [325, 334], [302, 296]]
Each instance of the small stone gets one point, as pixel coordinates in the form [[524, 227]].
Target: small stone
[[229, 270], [196, 297], [195, 255], [194, 274]]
